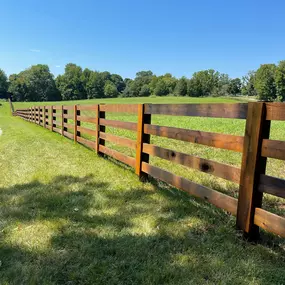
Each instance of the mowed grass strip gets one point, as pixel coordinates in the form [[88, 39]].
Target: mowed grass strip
[[70, 217]]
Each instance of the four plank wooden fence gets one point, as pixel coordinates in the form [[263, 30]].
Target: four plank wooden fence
[[255, 147]]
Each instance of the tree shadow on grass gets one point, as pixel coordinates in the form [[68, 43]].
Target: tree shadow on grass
[[75, 230]]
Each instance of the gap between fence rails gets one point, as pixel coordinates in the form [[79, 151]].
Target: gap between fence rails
[[255, 147]]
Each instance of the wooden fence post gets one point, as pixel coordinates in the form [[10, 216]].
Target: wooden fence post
[[75, 123], [253, 164], [62, 121], [44, 116], [39, 115], [51, 118], [78, 123], [99, 128], [141, 139]]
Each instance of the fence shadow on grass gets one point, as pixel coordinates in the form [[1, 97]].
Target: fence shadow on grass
[[76, 230]]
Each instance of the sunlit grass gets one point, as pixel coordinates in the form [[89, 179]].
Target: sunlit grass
[[70, 217]]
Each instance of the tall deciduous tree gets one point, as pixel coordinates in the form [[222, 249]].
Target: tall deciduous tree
[[70, 83], [34, 84], [181, 87], [3, 84], [264, 82], [280, 81]]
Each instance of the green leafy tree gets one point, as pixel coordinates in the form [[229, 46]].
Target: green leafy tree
[[181, 87], [110, 90], [247, 84], [95, 85], [161, 88], [118, 81], [280, 81], [234, 86], [203, 83], [264, 82], [70, 83], [34, 84], [145, 91], [3, 84]]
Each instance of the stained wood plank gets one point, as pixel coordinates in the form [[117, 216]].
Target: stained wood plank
[[68, 135], [253, 165], [273, 149], [75, 123], [118, 140], [221, 170], [87, 131], [117, 155], [234, 110], [120, 108], [229, 142], [67, 116], [57, 130], [272, 185], [86, 119], [57, 107], [214, 197], [275, 111], [269, 222], [69, 126], [119, 124], [139, 144], [86, 142], [87, 107]]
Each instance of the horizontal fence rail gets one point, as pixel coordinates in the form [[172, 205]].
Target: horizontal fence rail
[[255, 147]]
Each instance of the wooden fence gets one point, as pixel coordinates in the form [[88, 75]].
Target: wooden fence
[[255, 147]]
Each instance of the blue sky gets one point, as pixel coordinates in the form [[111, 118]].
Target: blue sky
[[125, 36]]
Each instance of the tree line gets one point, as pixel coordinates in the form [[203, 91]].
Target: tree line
[[37, 83]]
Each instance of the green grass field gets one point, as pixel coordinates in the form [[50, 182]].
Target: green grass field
[[70, 217]]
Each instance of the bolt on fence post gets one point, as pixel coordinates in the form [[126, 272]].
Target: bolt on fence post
[[141, 139], [253, 164]]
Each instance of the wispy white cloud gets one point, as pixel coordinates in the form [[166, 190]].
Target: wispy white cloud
[[35, 50], [57, 66]]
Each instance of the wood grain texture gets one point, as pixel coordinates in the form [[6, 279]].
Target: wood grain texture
[[86, 142], [118, 140], [270, 222], [221, 170], [118, 124], [120, 108], [57, 130], [68, 135], [75, 123], [86, 119], [253, 165], [69, 126], [139, 144], [88, 131], [275, 111], [229, 142], [273, 149], [214, 197], [272, 185], [118, 155], [234, 110]]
